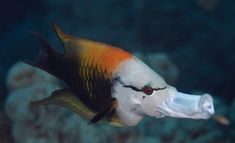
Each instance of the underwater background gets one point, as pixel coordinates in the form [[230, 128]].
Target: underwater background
[[190, 43]]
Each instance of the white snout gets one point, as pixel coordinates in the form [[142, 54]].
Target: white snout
[[181, 105], [206, 105]]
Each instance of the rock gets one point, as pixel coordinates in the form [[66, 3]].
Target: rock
[[22, 75], [39, 124], [5, 129]]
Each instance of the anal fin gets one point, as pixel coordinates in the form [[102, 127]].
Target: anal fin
[[105, 112], [66, 98]]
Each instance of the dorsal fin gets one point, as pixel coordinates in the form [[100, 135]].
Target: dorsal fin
[[70, 43], [64, 38], [105, 55]]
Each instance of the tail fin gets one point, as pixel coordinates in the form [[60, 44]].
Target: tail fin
[[45, 55]]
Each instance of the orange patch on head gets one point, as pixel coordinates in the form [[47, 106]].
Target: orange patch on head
[[107, 56]]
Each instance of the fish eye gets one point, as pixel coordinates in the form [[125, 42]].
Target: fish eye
[[147, 89]]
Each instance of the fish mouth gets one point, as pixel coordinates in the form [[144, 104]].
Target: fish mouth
[[159, 114], [182, 105]]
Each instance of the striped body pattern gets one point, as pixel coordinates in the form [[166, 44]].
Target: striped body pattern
[[90, 82], [92, 70], [89, 69]]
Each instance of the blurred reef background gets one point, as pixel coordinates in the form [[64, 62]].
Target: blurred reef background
[[190, 43]]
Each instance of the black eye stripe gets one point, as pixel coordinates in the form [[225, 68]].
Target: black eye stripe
[[140, 90], [135, 88], [132, 87], [159, 88]]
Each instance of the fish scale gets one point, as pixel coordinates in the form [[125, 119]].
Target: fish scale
[[95, 88], [87, 68]]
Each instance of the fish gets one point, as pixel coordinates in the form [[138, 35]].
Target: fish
[[221, 119], [105, 83]]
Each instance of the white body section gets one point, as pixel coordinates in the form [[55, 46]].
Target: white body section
[[133, 103]]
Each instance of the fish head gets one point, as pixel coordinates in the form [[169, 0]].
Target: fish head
[[141, 91]]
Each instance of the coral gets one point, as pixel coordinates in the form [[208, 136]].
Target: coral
[[21, 75], [39, 124]]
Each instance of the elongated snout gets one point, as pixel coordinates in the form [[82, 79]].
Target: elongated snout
[[183, 105], [206, 106]]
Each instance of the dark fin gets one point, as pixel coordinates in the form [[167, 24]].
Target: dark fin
[[104, 113], [64, 38], [45, 54], [68, 99], [73, 44], [70, 43]]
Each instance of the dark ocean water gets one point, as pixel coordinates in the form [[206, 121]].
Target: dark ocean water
[[198, 36]]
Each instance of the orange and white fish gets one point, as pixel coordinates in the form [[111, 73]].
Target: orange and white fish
[[107, 83]]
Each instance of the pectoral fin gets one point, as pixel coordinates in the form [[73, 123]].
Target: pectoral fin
[[68, 99], [105, 112]]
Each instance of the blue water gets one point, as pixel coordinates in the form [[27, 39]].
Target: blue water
[[198, 37]]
